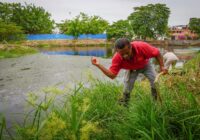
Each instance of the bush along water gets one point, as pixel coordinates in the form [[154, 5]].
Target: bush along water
[[94, 112]]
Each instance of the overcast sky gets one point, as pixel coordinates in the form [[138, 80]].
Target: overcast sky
[[113, 10]]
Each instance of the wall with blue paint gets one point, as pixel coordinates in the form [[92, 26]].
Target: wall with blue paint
[[63, 36]]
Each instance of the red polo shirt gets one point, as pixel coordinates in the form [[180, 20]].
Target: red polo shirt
[[143, 51]]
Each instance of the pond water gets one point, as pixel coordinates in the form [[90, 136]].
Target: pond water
[[107, 52], [81, 51], [183, 53]]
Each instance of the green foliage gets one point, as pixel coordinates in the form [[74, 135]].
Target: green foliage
[[2, 125], [93, 24], [73, 27], [150, 20], [63, 26], [119, 29], [10, 31], [83, 24], [194, 25], [33, 20], [6, 11], [193, 64]]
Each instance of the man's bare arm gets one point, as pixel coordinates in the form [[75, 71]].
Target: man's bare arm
[[108, 73], [159, 58]]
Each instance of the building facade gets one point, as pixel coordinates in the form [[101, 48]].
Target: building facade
[[182, 32]]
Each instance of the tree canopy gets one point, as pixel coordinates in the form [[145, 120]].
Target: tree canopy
[[194, 25], [10, 31], [150, 20], [119, 29], [33, 20], [83, 24]]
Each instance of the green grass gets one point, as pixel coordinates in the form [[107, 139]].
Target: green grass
[[94, 113], [16, 51]]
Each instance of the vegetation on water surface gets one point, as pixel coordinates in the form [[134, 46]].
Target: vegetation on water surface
[[10, 52]]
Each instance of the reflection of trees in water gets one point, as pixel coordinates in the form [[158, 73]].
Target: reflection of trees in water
[[185, 57], [75, 51], [87, 51], [109, 51]]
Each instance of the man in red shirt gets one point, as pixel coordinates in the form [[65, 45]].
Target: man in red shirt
[[134, 57]]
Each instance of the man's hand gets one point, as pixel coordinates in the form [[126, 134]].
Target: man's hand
[[107, 72], [163, 69], [95, 61], [159, 58]]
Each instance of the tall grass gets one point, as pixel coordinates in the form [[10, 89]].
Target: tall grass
[[2, 125], [94, 113]]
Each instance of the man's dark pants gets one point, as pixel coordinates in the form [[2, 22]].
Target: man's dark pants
[[131, 76]]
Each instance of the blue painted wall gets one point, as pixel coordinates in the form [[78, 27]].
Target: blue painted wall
[[63, 36]]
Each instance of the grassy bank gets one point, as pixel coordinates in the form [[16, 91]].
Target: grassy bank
[[94, 113], [16, 51]]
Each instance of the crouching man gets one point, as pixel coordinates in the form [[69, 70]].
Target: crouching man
[[170, 60], [134, 57]]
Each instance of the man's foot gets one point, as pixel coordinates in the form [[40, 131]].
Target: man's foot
[[124, 101], [154, 94]]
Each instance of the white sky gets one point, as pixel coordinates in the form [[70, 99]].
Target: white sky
[[113, 10]]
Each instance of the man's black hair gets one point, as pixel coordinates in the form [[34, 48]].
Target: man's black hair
[[121, 43]]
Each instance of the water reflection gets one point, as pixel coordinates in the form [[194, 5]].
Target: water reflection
[[183, 53], [82, 51]]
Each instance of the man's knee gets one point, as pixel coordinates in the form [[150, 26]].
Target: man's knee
[[127, 88]]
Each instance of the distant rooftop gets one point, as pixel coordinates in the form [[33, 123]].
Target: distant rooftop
[[176, 26]]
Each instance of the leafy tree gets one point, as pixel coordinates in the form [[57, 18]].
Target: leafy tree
[[83, 24], [33, 20], [6, 11], [62, 26], [150, 20], [10, 31], [93, 24], [194, 25], [73, 27], [119, 29]]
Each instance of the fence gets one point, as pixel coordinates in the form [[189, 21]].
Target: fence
[[63, 36]]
